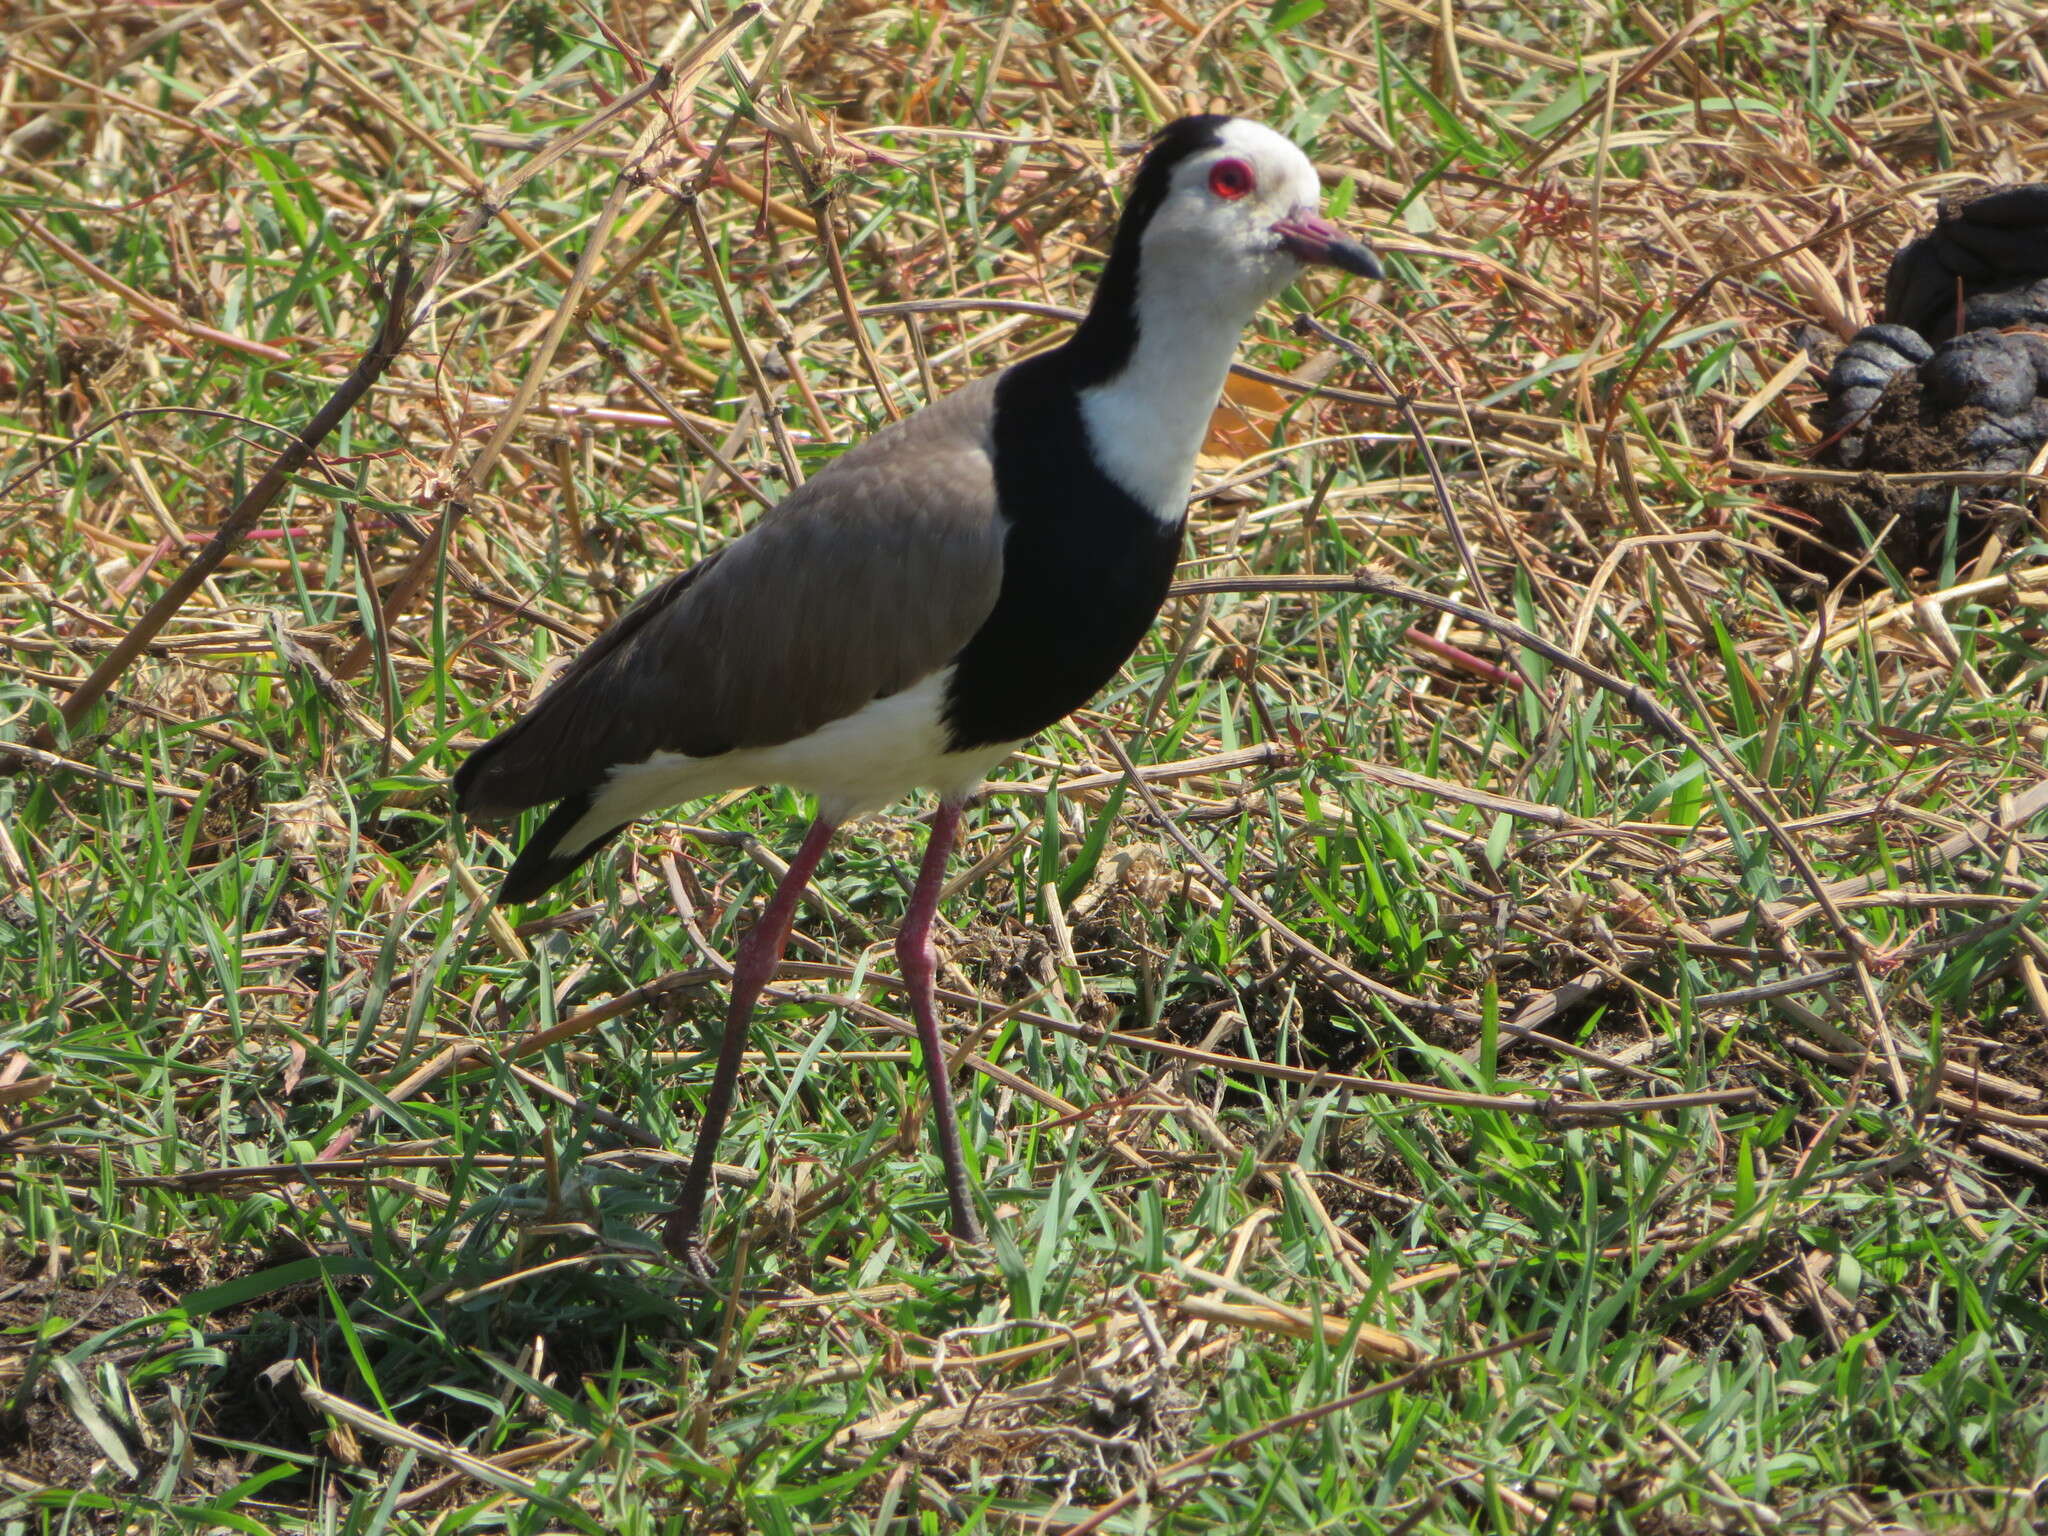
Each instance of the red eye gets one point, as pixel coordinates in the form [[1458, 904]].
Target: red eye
[[1231, 178]]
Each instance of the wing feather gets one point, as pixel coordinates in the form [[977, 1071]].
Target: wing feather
[[859, 584]]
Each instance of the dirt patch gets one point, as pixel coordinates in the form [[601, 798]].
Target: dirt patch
[[43, 1442], [40, 1437], [1366, 1185], [250, 1395], [1908, 433]]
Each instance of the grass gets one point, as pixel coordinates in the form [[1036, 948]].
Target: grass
[[328, 1191]]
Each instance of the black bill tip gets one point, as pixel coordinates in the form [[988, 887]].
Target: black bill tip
[[1308, 236]]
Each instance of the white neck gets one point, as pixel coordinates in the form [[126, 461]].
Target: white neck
[[1147, 424]]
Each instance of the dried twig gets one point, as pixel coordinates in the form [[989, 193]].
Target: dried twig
[[383, 351]]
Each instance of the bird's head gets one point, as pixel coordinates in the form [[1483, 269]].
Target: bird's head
[[1229, 208]]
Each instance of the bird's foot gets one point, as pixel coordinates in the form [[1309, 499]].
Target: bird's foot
[[970, 1251], [680, 1237]]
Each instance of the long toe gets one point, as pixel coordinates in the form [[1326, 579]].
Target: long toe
[[974, 1254], [687, 1248]]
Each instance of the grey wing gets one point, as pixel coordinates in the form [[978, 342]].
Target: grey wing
[[866, 580]]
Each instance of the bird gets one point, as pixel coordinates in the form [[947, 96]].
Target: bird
[[931, 599]]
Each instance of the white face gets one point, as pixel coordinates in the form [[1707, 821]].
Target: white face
[[1215, 230]]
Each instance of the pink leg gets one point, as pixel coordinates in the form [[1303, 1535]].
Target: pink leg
[[920, 962], [752, 970]]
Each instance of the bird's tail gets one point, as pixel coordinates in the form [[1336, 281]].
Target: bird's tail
[[550, 854]]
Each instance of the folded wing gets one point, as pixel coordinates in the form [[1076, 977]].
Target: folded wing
[[867, 579]]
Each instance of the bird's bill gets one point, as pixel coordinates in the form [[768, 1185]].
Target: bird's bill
[[1308, 236]]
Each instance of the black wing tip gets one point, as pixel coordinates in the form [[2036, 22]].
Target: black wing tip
[[463, 785], [472, 785], [539, 868], [531, 877]]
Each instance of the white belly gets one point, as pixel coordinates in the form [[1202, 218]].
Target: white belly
[[855, 765]]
